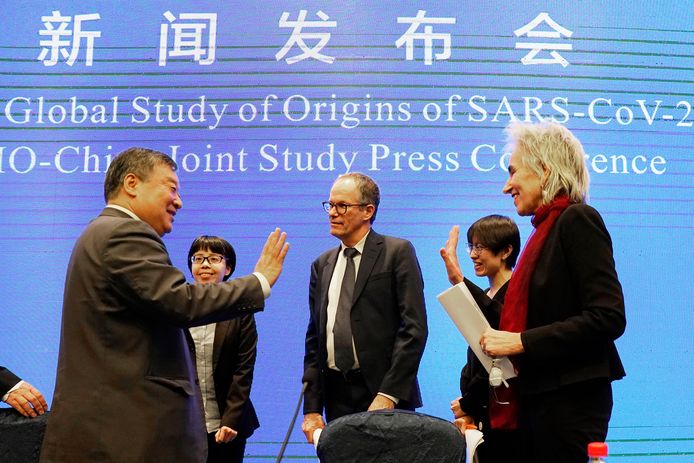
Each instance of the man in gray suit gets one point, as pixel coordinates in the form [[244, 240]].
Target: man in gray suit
[[366, 356], [126, 387]]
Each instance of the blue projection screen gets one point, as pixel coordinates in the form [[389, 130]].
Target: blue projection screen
[[263, 104]]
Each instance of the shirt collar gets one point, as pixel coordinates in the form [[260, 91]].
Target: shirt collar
[[359, 246], [123, 209]]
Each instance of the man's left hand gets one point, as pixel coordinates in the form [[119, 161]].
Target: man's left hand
[[381, 403], [27, 400]]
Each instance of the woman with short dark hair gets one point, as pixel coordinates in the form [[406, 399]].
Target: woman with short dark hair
[[225, 355], [493, 245]]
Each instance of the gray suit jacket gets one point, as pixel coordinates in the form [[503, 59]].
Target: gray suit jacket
[[388, 316], [126, 388]]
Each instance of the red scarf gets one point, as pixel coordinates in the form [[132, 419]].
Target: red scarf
[[514, 314]]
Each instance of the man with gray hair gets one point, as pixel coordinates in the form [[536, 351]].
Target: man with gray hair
[[126, 388], [367, 327]]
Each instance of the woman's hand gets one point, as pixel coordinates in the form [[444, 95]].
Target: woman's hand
[[463, 423], [495, 343], [455, 408], [449, 254], [225, 434]]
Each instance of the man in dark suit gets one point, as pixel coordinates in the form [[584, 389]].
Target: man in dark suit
[[126, 387], [20, 395], [365, 337]]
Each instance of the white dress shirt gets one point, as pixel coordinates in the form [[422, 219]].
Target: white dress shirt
[[334, 297], [203, 336], [7, 394]]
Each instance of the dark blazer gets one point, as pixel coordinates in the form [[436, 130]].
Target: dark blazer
[[8, 380], [126, 388], [233, 360], [576, 307], [388, 316]]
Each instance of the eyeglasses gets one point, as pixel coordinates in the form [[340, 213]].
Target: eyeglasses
[[496, 397], [213, 259], [340, 208], [476, 248]]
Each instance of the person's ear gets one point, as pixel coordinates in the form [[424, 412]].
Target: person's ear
[[130, 184], [369, 210], [545, 176], [227, 272], [506, 252]]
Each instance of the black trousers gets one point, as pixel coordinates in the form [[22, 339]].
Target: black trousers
[[557, 426], [231, 452], [348, 393], [499, 446]]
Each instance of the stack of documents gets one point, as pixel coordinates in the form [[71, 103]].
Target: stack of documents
[[471, 323]]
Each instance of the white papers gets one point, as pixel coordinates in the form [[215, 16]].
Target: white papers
[[473, 438], [470, 321]]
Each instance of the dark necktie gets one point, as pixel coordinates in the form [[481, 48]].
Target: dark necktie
[[342, 329]]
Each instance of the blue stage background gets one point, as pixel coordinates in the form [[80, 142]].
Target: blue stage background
[[428, 129]]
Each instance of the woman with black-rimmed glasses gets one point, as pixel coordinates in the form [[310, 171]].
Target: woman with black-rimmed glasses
[[493, 246]]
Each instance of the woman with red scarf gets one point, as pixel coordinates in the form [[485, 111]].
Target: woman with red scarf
[[564, 306]]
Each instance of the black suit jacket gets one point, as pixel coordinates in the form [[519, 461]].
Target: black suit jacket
[[8, 380], [126, 388], [575, 307], [233, 361], [388, 318]]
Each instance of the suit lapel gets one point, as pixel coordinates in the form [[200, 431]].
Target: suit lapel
[[220, 333], [372, 249]]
